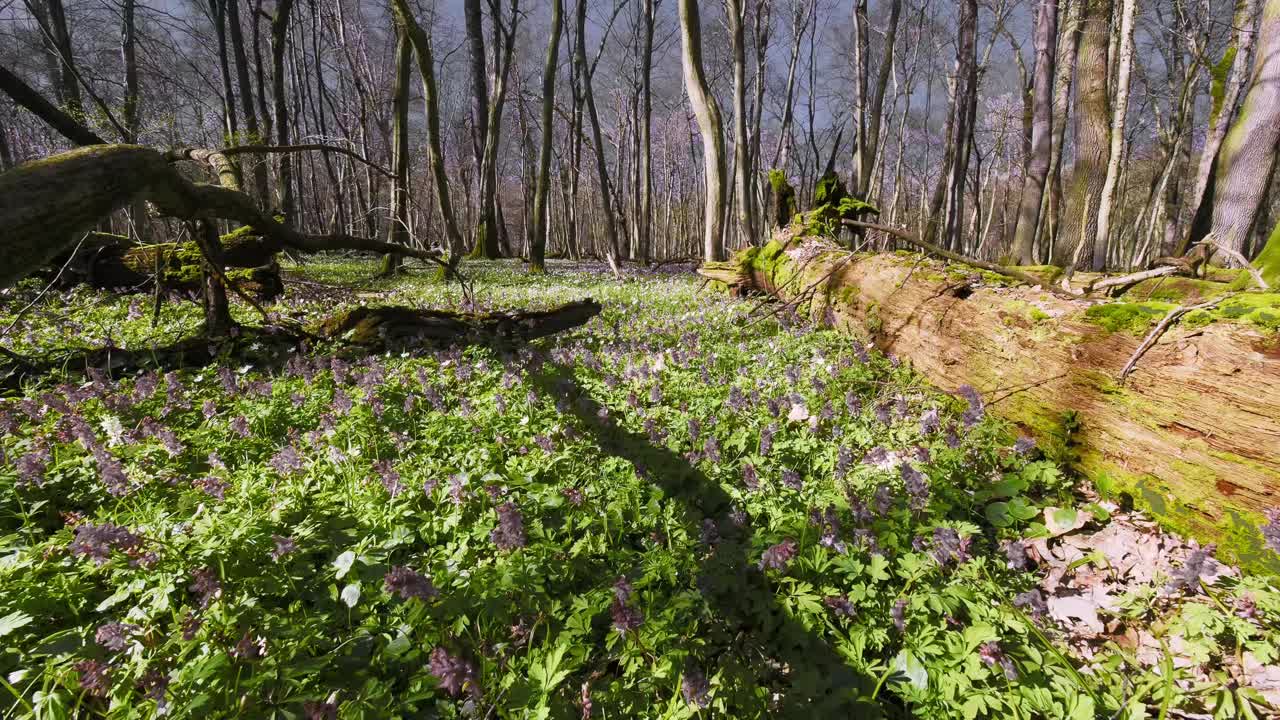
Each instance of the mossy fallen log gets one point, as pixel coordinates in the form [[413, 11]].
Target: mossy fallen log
[[1193, 434], [395, 326], [251, 264]]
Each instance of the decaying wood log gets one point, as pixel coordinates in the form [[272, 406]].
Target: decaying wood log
[[48, 203], [1194, 433], [360, 330], [398, 325]]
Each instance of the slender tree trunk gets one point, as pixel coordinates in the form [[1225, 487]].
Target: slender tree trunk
[[597, 140], [279, 39], [260, 186], [644, 223], [1124, 73], [422, 48], [538, 239], [707, 112], [741, 167], [876, 108], [398, 232], [62, 44], [1080, 224], [1041, 134]]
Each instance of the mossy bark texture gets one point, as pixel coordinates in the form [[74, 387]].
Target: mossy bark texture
[[1193, 434]]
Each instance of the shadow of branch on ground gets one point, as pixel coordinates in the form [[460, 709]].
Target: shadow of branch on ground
[[818, 682]]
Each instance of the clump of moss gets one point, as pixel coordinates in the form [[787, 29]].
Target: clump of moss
[[1135, 318]]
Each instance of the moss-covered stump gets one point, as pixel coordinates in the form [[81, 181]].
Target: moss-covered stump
[[398, 326], [1193, 434]]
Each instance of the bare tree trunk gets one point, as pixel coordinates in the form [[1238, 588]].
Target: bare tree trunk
[[1080, 224], [875, 109], [279, 38], [644, 223], [1226, 94], [538, 239], [1068, 50], [586, 72], [737, 10], [799, 24], [431, 109], [707, 112], [1124, 73], [1249, 150], [399, 230], [261, 184], [1041, 134]]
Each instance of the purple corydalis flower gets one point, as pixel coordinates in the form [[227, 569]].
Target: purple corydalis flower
[[749, 476], [250, 647], [212, 486], [286, 461], [695, 688], [917, 487], [840, 605], [1199, 565], [1016, 554], [883, 499], [992, 655], [389, 477], [318, 710], [930, 422], [154, 685], [284, 545], [791, 479], [1024, 445], [114, 636], [899, 614], [573, 495], [1032, 601], [625, 617], [766, 438], [205, 583], [240, 426], [975, 410], [779, 556], [409, 583], [95, 678], [949, 547], [209, 408], [191, 625], [509, 534], [97, 541], [1271, 530], [455, 674]]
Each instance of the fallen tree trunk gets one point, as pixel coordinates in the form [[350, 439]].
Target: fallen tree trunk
[[50, 203], [1194, 433], [126, 267], [361, 329], [378, 327]]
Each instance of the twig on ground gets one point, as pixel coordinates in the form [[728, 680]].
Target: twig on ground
[[956, 257], [1154, 336]]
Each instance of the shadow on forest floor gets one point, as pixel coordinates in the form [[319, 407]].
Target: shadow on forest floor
[[812, 679]]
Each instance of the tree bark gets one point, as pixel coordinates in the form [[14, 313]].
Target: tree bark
[[279, 39], [1183, 435], [423, 50], [538, 240], [707, 112], [1080, 224], [1041, 134], [741, 164], [1119, 116], [1248, 153], [398, 233], [53, 201], [1225, 92]]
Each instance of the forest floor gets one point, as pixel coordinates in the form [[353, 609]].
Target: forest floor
[[687, 507]]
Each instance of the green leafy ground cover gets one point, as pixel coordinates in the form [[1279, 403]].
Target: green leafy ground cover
[[679, 510]]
